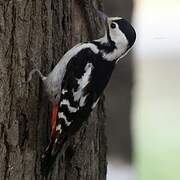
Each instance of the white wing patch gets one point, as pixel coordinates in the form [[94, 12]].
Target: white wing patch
[[62, 116], [70, 108], [83, 82]]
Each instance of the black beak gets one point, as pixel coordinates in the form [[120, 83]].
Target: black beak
[[103, 16]]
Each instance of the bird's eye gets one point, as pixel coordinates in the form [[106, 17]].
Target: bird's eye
[[113, 25]]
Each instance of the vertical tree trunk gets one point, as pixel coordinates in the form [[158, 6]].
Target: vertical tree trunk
[[119, 93], [36, 33]]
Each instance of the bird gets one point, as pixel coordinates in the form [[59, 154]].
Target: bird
[[78, 80]]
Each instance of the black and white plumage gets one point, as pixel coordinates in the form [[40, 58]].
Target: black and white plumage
[[80, 77]]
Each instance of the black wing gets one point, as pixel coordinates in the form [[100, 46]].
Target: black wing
[[87, 74]]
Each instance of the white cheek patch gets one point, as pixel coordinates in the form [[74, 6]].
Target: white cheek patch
[[121, 44], [83, 82]]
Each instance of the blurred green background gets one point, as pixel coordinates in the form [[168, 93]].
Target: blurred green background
[[143, 98], [156, 104]]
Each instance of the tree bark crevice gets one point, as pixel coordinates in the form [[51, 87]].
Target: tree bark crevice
[[36, 34]]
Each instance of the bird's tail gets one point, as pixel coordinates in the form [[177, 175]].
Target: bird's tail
[[48, 157], [47, 160], [50, 154]]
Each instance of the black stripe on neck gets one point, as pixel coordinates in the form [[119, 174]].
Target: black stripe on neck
[[108, 47]]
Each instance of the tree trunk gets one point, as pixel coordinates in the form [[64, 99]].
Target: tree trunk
[[36, 33], [119, 93]]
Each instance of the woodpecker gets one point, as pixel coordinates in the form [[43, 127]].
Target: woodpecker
[[78, 80]]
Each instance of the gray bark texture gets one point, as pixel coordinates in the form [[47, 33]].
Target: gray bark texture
[[36, 33]]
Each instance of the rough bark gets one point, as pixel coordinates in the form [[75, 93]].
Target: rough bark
[[36, 33], [119, 93]]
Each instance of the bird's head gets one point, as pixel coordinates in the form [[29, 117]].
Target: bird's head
[[119, 32]]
